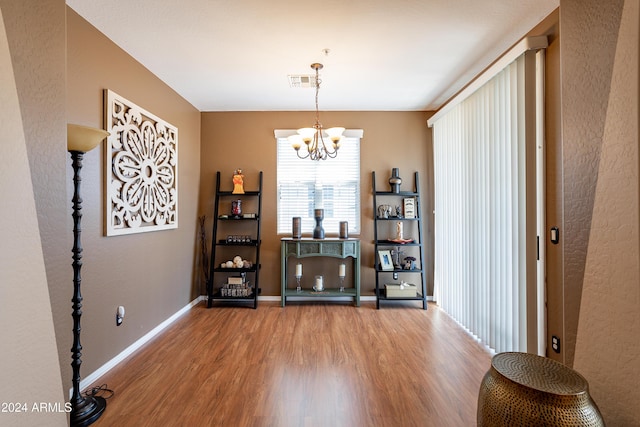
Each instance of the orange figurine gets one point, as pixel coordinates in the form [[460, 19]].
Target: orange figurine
[[238, 182]]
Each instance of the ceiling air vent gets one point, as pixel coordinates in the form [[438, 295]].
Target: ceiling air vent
[[302, 80]]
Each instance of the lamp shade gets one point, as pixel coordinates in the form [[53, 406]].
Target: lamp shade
[[306, 134], [335, 133], [84, 138], [295, 140]]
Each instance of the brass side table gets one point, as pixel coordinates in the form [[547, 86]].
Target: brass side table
[[522, 389]]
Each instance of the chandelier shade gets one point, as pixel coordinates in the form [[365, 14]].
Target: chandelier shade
[[313, 138]]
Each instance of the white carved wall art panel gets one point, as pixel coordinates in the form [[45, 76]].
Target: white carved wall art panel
[[142, 169]]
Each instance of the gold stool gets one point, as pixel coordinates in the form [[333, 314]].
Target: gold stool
[[522, 389]]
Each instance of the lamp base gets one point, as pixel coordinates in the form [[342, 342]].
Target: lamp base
[[88, 411]]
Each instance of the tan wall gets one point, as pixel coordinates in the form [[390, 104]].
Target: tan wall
[[151, 273], [33, 226], [246, 140], [600, 44]]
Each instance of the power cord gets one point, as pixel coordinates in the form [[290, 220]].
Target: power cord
[[101, 391]]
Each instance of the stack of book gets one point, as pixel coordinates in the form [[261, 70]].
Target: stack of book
[[235, 287]]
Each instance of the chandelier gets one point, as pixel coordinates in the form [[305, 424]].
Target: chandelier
[[314, 137]]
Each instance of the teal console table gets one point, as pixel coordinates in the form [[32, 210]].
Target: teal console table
[[331, 247]]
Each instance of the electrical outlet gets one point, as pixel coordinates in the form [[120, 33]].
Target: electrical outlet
[[555, 344], [119, 315]]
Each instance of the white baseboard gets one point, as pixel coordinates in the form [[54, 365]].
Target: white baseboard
[[268, 298], [94, 376]]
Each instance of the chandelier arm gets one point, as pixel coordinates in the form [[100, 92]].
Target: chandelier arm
[[325, 150], [302, 157]]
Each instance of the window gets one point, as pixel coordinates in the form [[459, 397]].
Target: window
[[332, 185]]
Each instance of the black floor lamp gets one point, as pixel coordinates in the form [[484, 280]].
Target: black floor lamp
[[80, 139]]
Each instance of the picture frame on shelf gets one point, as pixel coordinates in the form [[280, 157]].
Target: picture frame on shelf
[[386, 262], [409, 207]]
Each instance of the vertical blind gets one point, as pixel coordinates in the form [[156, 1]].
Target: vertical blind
[[482, 238], [332, 185]]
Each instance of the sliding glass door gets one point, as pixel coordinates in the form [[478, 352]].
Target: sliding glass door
[[488, 213]]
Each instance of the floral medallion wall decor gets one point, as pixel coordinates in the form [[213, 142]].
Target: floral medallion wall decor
[[142, 169]]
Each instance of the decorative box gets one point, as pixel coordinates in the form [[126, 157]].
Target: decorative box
[[409, 207], [401, 291], [235, 280]]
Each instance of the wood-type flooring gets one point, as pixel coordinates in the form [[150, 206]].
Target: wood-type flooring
[[307, 364]]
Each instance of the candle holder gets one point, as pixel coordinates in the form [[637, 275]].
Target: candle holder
[[341, 275], [344, 230], [296, 225], [319, 284], [298, 277]]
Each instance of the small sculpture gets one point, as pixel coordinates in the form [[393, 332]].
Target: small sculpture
[[238, 182], [409, 263], [399, 234], [237, 262], [396, 254], [385, 211]]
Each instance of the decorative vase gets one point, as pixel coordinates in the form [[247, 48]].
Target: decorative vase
[[395, 180], [236, 207], [318, 231]]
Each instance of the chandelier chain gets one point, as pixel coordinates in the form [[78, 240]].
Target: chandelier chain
[[313, 139], [318, 81]]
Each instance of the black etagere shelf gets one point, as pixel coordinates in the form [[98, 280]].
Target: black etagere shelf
[[388, 280], [227, 248]]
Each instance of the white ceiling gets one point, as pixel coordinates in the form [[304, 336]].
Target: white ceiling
[[385, 55]]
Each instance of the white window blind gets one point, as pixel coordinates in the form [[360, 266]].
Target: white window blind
[[484, 258], [332, 185]]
